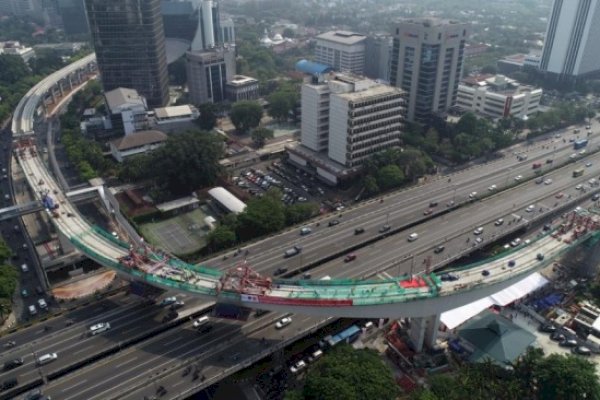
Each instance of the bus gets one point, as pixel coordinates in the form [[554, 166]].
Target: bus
[[348, 335], [578, 144], [578, 172]]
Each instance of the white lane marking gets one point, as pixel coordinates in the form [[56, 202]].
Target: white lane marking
[[75, 385]]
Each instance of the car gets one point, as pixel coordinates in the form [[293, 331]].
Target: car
[[433, 204], [512, 263], [547, 227], [571, 140], [557, 337], [588, 164], [283, 322], [479, 240], [515, 242], [518, 178], [42, 304], [307, 275], [568, 343], [413, 236], [200, 322], [473, 195], [596, 197], [548, 181], [588, 127], [177, 304], [333, 222], [14, 363], [485, 272], [582, 351], [99, 328], [439, 249], [24, 293], [548, 328], [448, 277], [305, 231], [9, 383], [292, 252], [549, 161], [350, 257], [39, 290], [384, 228], [32, 310], [539, 180], [167, 301], [24, 268], [582, 152], [530, 208], [499, 222], [578, 187], [540, 256], [280, 271], [478, 231], [297, 367], [557, 136], [450, 204], [315, 355], [428, 211], [492, 188], [358, 231], [46, 358], [559, 195]]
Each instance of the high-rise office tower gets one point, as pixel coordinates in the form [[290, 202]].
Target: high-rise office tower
[[208, 73], [570, 48], [73, 17], [377, 57], [427, 60], [209, 31], [344, 51], [129, 40]]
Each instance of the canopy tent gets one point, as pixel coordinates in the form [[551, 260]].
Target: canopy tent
[[457, 316]]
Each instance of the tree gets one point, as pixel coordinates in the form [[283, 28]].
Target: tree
[[370, 185], [12, 68], [350, 374], [5, 251], [187, 161], [566, 377], [262, 215], [220, 238], [261, 135], [245, 115], [288, 33], [281, 104], [8, 281], [300, 212], [389, 177], [208, 116]]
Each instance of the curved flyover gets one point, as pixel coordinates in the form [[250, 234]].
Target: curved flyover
[[416, 296]]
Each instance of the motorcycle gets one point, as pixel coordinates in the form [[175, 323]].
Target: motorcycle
[[10, 344]]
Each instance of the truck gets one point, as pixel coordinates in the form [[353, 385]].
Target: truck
[[581, 143], [292, 252]]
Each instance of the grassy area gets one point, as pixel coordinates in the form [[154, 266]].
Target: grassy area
[[182, 234]]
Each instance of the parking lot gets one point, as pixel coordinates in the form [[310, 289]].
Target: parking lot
[[296, 186]]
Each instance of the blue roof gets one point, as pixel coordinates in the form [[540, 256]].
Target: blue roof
[[311, 67]]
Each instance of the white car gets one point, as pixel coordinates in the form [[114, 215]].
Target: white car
[[305, 231], [472, 195], [99, 328], [518, 178], [413, 236], [578, 187], [478, 231], [492, 188], [530, 208], [499, 222], [582, 152], [168, 301], [299, 366], [515, 242], [283, 322], [478, 240], [548, 181], [201, 321], [42, 303]]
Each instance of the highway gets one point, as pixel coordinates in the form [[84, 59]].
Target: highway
[[398, 209]]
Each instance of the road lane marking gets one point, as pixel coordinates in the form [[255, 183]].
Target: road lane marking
[[75, 385], [82, 350]]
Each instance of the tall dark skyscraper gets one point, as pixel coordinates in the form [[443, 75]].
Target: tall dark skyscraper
[[129, 40]]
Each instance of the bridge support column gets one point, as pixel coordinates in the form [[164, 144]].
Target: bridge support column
[[65, 244], [423, 331]]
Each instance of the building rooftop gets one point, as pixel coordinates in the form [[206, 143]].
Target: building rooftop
[[239, 80], [178, 203], [497, 84], [342, 37], [138, 139], [122, 96], [430, 21], [372, 91], [227, 199], [173, 112], [311, 67]]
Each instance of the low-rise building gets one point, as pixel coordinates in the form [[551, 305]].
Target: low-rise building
[[127, 110], [242, 88], [497, 97], [224, 201], [136, 143], [16, 49], [175, 118]]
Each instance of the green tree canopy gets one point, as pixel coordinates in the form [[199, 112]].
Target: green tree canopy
[[261, 135], [389, 177], [282, 103], [299, 212], [208, 116], [188, 161], [246, 115], [12, 68], [262, 215], [220, 238], [350, 374]]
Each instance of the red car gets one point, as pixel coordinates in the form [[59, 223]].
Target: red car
[[350, 257], [559, 195]]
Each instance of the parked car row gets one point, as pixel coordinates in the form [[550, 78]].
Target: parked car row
[[565, 339]]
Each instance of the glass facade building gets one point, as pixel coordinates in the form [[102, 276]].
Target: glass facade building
[[129, 40]]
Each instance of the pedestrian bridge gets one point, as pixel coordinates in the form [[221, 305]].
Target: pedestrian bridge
[[408, 296]]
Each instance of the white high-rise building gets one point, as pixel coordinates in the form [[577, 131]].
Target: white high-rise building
[[570, 47], [341, 50], [315, 116]]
